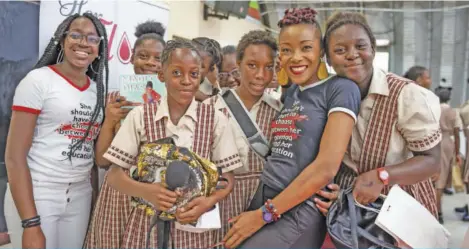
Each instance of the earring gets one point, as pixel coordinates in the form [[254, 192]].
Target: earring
[[322, 70], [60, 56], [282, 77]]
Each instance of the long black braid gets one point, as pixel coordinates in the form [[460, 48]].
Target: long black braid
[[95, 70]]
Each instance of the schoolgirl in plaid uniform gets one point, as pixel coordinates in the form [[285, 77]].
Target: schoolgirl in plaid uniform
[[397, 135], [112, 208], [194, 125], [256, 53]]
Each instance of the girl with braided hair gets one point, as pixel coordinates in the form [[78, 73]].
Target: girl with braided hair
[[309, 138], [112, 210], [57, 113], [211, 53], [191, 124], [396, 139]]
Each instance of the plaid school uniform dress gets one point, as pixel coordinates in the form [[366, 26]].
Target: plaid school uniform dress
[[246, 183], [109, 216], [135, 228], [382, 126], [108, 219]]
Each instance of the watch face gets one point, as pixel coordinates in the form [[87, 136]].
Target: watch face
[[384, 175], [267, 217]]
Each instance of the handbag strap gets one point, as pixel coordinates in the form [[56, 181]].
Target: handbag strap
[[353, 219], [250, 129], [356, 229], [373, 239]]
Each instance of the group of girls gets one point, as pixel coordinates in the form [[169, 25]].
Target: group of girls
[[325, 132]]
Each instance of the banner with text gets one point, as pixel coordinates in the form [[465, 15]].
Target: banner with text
[[120, 19]]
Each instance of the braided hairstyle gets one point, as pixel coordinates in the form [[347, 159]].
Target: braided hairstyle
[[149, 30], [212, 47], [99, 65], [172, 45], [296, 16], [256, 37], [340, 19]]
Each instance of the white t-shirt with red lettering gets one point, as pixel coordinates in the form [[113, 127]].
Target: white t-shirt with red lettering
[[64, 112]]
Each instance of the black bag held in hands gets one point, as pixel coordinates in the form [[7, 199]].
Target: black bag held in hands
[[352, 225]]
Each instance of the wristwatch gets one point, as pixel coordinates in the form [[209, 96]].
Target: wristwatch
[[383, 175], [267, 216]]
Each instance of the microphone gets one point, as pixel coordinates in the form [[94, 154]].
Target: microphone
[[178, 175]]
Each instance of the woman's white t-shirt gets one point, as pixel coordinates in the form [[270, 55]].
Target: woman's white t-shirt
[[64, 112]]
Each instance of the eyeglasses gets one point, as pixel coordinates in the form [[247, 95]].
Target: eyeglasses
[[225, 75], [78, 37]]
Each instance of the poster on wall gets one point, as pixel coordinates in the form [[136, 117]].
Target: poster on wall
[[119, 18]]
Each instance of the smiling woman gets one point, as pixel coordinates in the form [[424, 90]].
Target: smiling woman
[[57, 112]]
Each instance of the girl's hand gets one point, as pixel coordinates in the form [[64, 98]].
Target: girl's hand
[[193, 210], [114, 109], [324, 206]]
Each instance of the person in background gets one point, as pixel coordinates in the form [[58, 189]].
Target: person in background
[[58, 110], [419, 75], [113, 208], [274, 88], [210, 51], [450, 127], [229, 73], [191, 124], [464, 113], [381, 155], [150, 95]]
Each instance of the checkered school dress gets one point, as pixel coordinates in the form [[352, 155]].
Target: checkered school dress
[[376, 144], [127, 225], [246, 183]]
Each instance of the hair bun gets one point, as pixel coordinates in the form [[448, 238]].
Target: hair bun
[[150, 27], [296, 16]]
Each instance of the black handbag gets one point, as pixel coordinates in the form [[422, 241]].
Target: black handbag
[[352, 225]]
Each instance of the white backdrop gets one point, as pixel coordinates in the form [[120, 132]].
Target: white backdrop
[[120, 17]]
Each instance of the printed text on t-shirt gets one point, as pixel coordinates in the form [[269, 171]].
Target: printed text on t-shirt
[[76, 130], [285, 131]]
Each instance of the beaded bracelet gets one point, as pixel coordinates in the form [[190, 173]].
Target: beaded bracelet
[[271, 209], [31, 222]]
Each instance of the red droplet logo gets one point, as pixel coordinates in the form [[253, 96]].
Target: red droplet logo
[[124, 50]]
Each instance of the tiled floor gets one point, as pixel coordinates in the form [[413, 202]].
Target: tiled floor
[[456, 227]]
